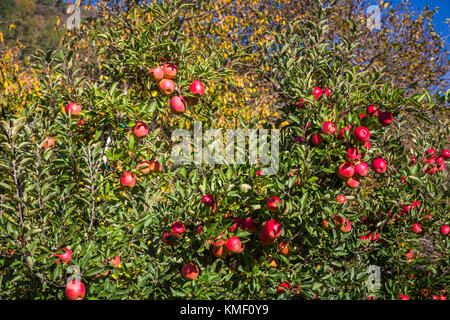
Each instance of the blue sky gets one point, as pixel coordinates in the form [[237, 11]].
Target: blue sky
[[443, 12]]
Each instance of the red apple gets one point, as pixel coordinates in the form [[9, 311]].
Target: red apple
[[66, 256], [166, 86], [361, 134], [272, 204], [170, 70], [49, 142], [316, 139], [73, 108], [353, 155], [342, 132], [379, 165], [178, 104], [352, 182], [189, 271], [327, 92], [208, 200], [75, 290], [250, 225], [385, 118], [361, 169], [169, 238], [343, 223], [127, 179], [197, 88], [178, 229], [233, 245], [403, 297], [146, 169], [283, 288], [273, 228], [367, 145], [140, 129], [115, 261], [329, 127], [264, 237], [341, 198], [446, 154], [156, 74], [317, 92], [219, 251], [372, 111], [416, 228], [345, 170], [444, 230]]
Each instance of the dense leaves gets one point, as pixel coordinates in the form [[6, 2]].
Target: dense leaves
[[61, 171]]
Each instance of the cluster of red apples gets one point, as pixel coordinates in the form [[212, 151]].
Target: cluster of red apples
[[228, 243]]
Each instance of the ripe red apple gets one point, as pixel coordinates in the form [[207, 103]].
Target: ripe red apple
[[264, 237], [284, 248], [73, 108], [352, 182], [327, 92], [273, 228], [325, 224], [403, 297], [372, 111], [127, 179], [341, 198], [219, 251], [233, 245], [345, 170], [316, 139], [208, 200], [75, 290], [66, 256], [385, 118], [283, 288], [344, 224], [446, 154], [166, 86], [115, 261], [189, 271], [353, 155], [170, 70], [361, 169], [156, 74], [141, 164], [169, 238], [218, 241], [272, 204], [317, 92], [178, 104], [300, 104], [361, 134], [49, 142], [379, 165], [197, 88], [178, 229], [416, 228], [342, 132], [329, 127], [444, 230], [250, 225], [367, 145], [140, 129]]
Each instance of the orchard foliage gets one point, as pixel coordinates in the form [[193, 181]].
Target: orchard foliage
[[201, 231]]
